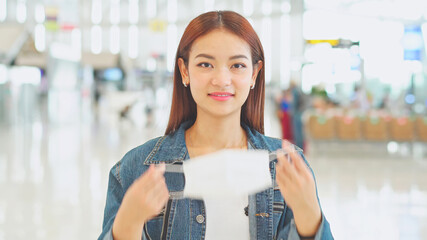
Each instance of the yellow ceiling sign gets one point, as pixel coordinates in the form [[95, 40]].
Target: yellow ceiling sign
[[157, 25], [51, 26], [333, 42]]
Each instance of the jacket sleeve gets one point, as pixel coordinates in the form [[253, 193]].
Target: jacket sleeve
[[115, 193], [323, 233], [287, 228]]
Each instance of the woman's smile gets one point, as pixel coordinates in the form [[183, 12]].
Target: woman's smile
[[221, 96]]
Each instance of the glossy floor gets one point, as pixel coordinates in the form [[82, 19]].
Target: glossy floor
[[54, 177]]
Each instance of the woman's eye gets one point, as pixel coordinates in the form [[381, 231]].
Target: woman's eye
[[205, 65], [238, 65]]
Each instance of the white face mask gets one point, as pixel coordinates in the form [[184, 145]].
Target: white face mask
[[224, 180], [227, 173]]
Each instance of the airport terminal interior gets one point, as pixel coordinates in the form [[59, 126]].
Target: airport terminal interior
[[84, 82]]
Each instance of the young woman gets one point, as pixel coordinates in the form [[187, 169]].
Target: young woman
[[217, 103]]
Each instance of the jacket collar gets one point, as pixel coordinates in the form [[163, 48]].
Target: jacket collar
[[172, 148]]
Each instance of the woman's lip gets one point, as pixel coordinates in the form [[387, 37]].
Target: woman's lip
[[221, 94]]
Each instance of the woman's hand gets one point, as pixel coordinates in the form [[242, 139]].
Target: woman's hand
[[144, 199], [297, 186]]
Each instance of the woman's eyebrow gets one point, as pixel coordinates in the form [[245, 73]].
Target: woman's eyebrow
[[238, 56], [205, 56], [211, 57]]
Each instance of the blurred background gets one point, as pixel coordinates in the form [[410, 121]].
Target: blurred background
[[83, 82]]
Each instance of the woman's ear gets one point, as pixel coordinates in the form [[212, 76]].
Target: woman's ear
[[257, 68], [184, 71]]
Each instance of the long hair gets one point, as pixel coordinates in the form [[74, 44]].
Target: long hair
[[183, 105]]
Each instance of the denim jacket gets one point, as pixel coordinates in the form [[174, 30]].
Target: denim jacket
[[269, 216]]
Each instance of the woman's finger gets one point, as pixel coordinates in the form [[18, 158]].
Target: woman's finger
[[288, 165], [150, 182], [147, 174], [296, 158], [282, 179], [163, 195], [144, 181], [156, 186], [153, 173], [286, 169], [160, 196]]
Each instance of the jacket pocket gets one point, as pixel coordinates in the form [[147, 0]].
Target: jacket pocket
[[157, 228]]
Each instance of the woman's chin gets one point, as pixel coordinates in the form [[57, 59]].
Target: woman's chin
[[222, 112]]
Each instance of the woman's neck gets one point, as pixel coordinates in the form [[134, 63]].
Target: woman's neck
[[215, 134]]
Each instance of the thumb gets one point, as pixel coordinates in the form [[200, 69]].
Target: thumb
[[161, 168]]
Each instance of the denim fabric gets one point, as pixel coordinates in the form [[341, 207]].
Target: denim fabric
[[269, 216]]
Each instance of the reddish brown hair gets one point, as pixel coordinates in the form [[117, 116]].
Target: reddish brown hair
[[183, 105]]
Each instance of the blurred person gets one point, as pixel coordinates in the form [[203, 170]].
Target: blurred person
[[98, 97], [385, 103], [283, 113], [150, 104], [360, 99], [298, 102], [217, 103], [125, 113]]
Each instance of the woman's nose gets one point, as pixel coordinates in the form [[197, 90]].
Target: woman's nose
[[221, 77]]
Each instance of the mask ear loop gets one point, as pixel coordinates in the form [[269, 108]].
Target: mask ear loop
[[273, 155], [273, 158]]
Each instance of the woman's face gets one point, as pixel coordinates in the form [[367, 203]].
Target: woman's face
[[220, 73]]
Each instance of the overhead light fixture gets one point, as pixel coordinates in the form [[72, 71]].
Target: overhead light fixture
[[40, 37], [133, 11], [96, 39], [96, 13], [21, 12], [133, 41], [3, 10], [151, 8], [115, 11], [172, 11], [115, 39]]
